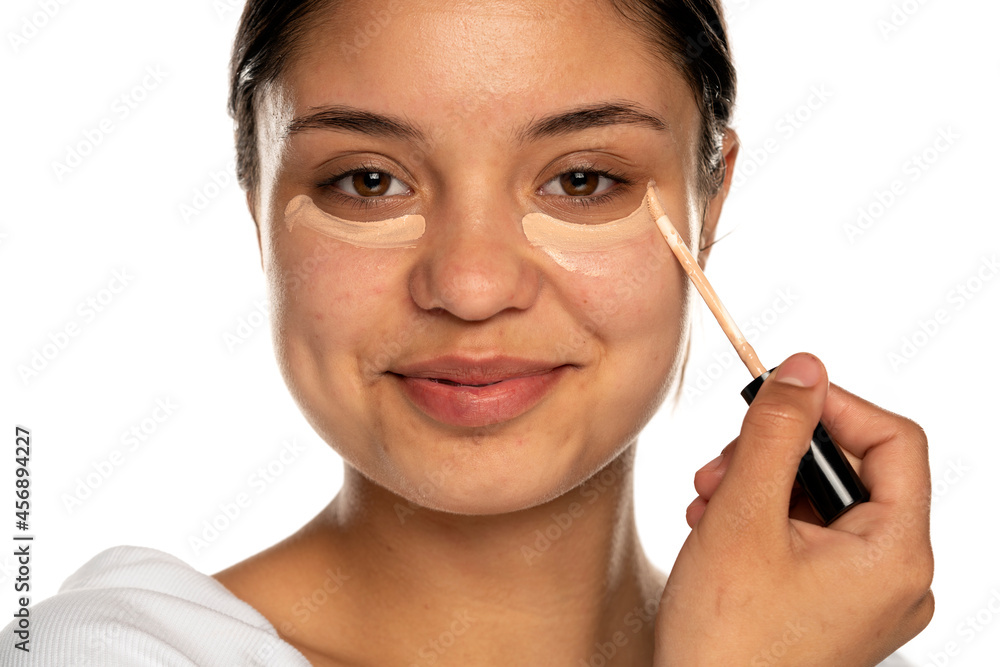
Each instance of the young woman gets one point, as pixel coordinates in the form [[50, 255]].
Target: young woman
[[479, 383]]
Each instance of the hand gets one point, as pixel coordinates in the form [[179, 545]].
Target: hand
[[760, 582]]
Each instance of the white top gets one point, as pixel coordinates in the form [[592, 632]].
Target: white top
[[135, 607]]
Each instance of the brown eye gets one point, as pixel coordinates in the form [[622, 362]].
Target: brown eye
[[584, 185], [367, 183], [579, 183], [371, 183]]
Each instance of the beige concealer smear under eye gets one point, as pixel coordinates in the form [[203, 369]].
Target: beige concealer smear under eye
[[583, 248], [401, 232]]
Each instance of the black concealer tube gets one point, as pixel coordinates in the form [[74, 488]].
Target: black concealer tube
[[826, 477]]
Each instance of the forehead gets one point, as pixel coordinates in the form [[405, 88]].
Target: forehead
[[480, 64]]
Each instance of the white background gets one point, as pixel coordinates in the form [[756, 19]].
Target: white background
[[866, 97]]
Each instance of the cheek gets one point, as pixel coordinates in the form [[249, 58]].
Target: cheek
[[636, 312], [324, 280], [630, 292], [331, 300], [630, 315]]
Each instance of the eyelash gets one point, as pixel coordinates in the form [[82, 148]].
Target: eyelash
[[621, 185], [621, 181], [362, 203]]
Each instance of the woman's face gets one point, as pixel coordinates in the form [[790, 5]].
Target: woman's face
[[472, 372]]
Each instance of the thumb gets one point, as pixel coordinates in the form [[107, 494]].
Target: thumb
[[776, 432]]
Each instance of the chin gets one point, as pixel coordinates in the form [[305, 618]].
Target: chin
[[494, 476]]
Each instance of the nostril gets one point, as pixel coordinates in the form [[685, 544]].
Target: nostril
[[474, 283]]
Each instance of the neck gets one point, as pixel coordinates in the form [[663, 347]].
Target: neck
[[564, 578]]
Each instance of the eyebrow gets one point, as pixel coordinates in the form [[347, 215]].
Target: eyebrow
[[342, 118], [350, 119], [590, 116]]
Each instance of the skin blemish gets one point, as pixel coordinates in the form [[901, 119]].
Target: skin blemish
[[402, 232], [585, 248]]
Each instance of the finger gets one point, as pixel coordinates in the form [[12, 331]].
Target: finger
[[775, 435], [695, 511], [798, 508], [859, 423], [708, 478], [893, 449]]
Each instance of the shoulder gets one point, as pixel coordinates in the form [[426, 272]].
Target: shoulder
[[139, 606]]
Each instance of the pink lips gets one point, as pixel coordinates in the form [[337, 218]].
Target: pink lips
[[477, 392]]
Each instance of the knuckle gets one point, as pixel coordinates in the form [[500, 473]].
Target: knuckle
[[928, 607], [914, 432], [923, 612], [920, 570], [771, 416], [915, 570]]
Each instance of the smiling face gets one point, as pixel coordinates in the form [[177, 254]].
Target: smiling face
[[473, 371]]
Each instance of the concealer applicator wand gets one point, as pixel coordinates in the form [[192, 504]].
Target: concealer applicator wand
[[828, 480]]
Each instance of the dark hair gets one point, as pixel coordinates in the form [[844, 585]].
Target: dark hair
[[692, 36], [690, 33]]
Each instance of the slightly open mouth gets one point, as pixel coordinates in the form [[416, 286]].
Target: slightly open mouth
[[477, 398], [460, 384]]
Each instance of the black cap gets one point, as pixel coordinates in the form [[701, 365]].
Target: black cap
[[825, 475]]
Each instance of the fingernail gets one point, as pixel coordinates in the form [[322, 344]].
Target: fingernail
[[801, 370], [713, 464]]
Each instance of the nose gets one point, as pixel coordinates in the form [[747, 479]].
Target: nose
[[475, 262]]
